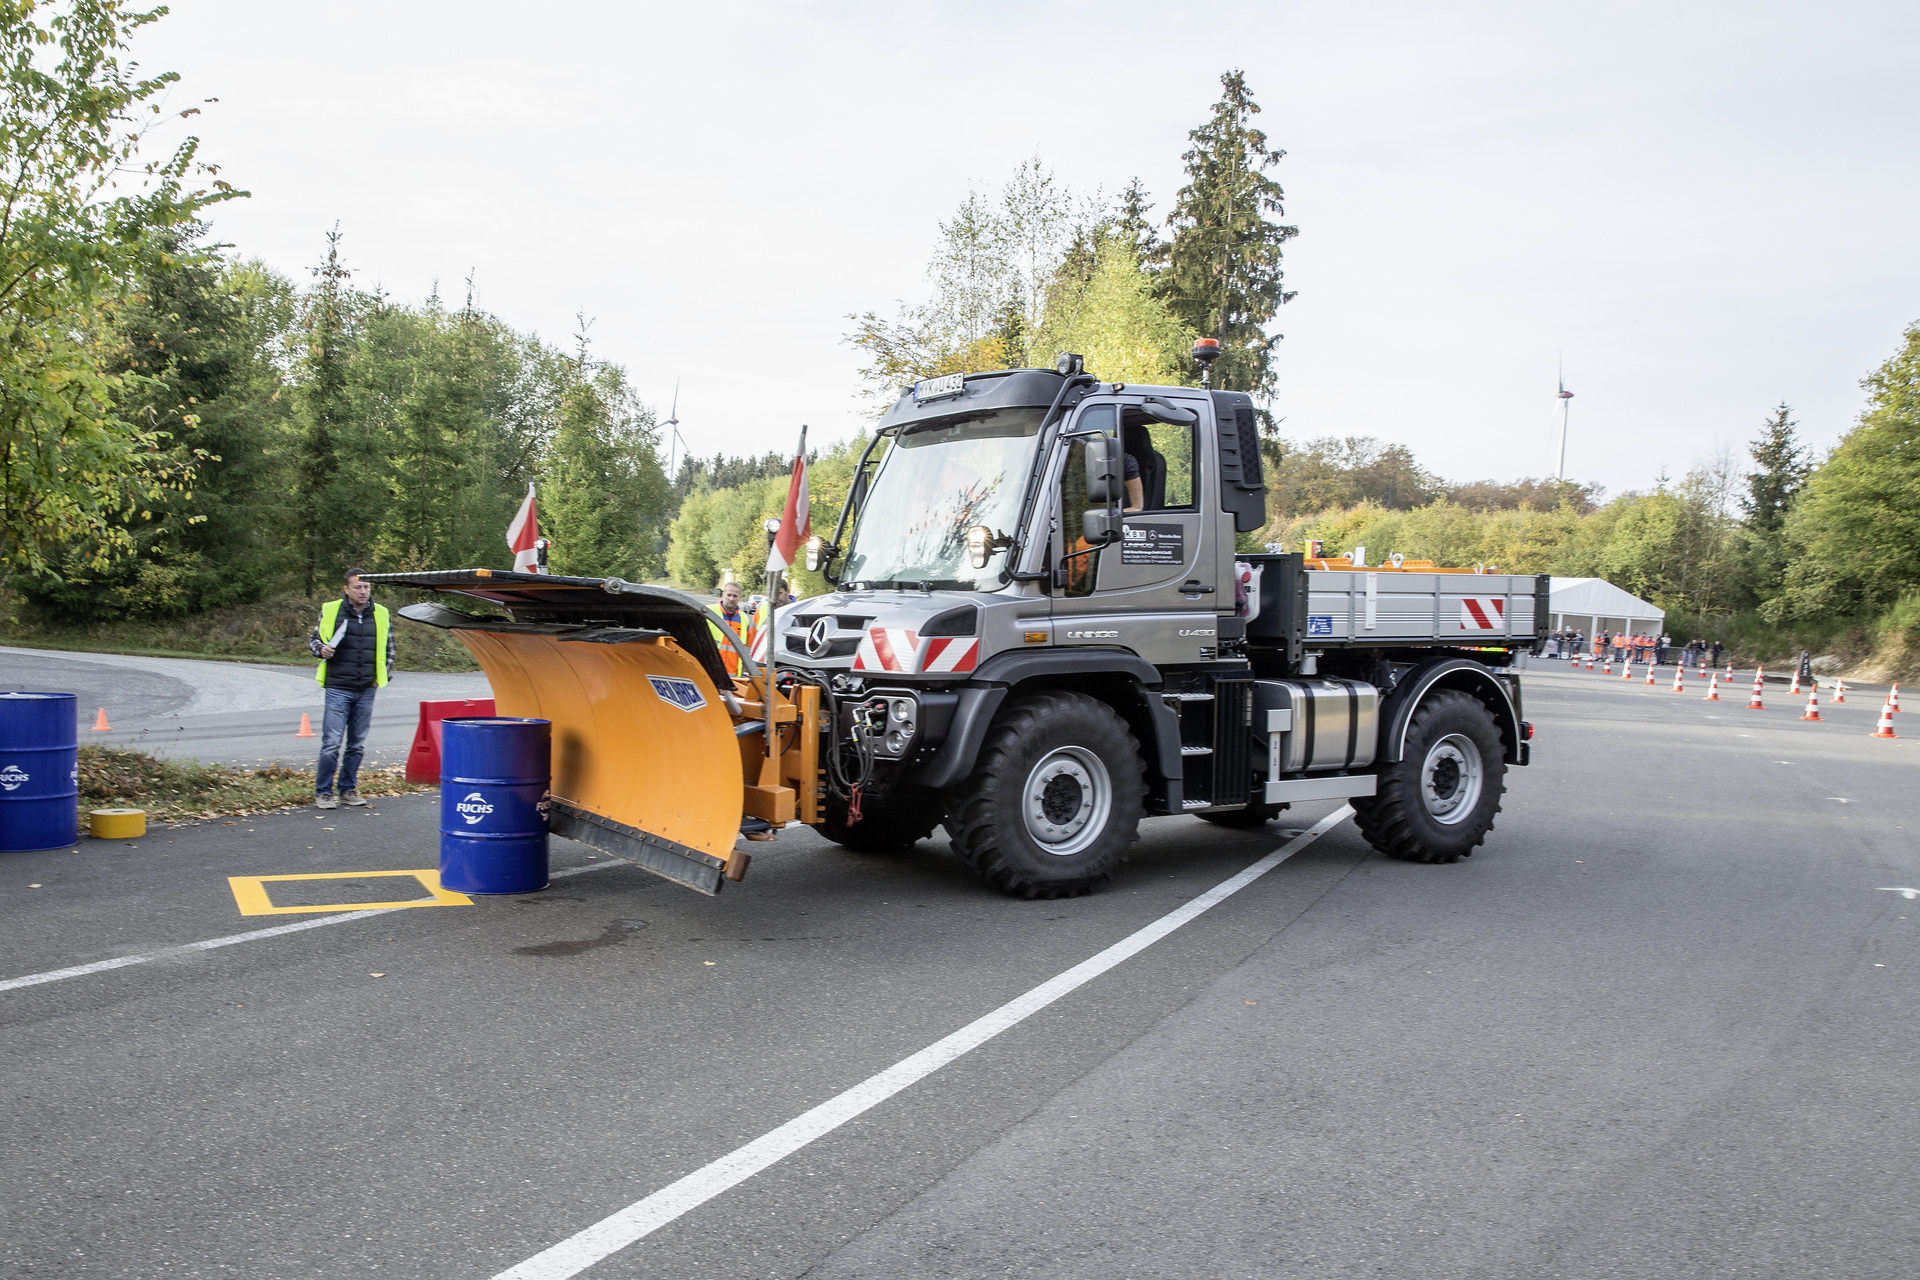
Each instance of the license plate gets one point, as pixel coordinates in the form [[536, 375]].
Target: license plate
[[927, 389]]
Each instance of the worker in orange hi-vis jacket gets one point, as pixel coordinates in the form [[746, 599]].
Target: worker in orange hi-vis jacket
[[728, 610]]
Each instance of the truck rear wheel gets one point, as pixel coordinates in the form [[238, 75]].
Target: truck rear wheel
[[1055, 797], [1437, 803]]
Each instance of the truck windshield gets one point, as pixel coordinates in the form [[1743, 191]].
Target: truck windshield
[[935, 483]]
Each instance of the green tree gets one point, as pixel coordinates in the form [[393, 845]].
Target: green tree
[[1224, 278], [1113, 318], [604, 499], [324, 413], [200, 339], [1781, 472], [1854, 531], [79, 212], [1783, 469]]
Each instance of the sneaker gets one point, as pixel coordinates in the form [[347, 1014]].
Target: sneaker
[[351, 798], [325, 802]]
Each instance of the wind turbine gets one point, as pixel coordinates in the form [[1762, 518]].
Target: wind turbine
[[675, 439], [1565, 395]]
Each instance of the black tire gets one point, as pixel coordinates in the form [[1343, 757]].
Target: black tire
[[883, 828], [1254, 815], [1451, 735], [1091, 789]]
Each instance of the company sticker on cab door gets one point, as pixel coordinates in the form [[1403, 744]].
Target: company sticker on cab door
[[1152, 544]]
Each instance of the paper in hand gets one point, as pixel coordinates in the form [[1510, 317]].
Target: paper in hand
[[338, 636]]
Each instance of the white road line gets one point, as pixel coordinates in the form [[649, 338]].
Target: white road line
[[643, 1217], [252, 935]]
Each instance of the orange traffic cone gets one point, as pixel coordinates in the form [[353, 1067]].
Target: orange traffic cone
[[1649, 673], [1589, 662], [1729, 670], [1795, 691], [1713, 688], [306, 727], [1606, 665], [1626, 670], [1893, 699], [100, 724], [1885, 728], [1678, 673], [1840, 691], [1813, 702], [1754, 703]]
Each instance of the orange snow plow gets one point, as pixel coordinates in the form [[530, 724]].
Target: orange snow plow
[[660, 756]]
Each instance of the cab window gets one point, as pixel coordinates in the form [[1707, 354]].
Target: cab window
[[1161, 455]]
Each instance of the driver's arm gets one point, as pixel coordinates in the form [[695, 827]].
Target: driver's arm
[[1136, 491]]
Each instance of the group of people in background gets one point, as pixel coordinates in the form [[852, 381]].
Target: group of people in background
[[1627, 646]]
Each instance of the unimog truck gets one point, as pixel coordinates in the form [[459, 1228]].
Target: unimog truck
[[1042, 630]]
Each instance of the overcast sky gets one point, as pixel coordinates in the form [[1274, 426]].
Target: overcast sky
[[1705, 208]]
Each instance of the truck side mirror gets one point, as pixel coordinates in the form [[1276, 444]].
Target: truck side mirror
[[1098, 526], [1103, 481]]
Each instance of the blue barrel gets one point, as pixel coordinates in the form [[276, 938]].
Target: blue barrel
[[494, 777], [39, 772]]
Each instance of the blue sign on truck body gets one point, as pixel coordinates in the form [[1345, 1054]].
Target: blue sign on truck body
[[1319, 624]]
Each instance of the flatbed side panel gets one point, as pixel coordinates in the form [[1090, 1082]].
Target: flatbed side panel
[[1361, 607]]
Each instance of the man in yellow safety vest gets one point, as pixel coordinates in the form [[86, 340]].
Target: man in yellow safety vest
[[354, 642]]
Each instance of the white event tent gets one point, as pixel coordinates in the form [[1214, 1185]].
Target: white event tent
[[1593, 605]]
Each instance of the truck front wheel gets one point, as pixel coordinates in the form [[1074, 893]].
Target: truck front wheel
[[1438, 801], [1054, 800]]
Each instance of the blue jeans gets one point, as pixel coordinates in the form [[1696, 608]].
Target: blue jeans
[[349, 712]]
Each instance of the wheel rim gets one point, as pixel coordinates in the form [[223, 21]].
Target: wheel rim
[[1066, 800], [1451, 779]]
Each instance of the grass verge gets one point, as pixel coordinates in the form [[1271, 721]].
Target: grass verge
[[177, 791]]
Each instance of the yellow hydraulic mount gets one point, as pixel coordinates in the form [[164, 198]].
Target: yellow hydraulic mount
[[660, 756]]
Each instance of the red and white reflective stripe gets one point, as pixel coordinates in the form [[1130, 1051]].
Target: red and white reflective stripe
[[1482, 613], [958, 654], [886, 649]]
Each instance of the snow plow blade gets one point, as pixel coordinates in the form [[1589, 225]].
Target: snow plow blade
[[646, 762]]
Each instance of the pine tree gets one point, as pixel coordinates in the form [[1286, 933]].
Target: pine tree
[[323, 398], [1782, 473], [1132, 228], [1783, 470], [1223, 277]]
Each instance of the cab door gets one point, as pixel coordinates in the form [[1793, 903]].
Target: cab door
[[1154, 591]]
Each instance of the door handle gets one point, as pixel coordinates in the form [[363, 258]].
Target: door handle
[[1192, 586]]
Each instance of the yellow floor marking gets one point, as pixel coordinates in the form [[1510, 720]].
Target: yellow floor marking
[[250, 893]]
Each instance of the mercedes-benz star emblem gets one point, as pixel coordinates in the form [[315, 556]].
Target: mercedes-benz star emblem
[[819, 638]]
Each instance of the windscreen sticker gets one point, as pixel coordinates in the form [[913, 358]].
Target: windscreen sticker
[[684, 694], [1319, 624], [1153, 544]]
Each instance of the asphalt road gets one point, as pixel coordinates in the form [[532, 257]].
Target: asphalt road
[[231, 712], [1661, 1025]]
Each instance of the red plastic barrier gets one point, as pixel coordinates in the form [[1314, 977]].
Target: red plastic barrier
[[423, 761]]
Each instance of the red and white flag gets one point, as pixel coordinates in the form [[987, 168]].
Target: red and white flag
[[796, 522], [523, 533]]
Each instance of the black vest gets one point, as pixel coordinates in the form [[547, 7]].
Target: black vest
[[352, 663]]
